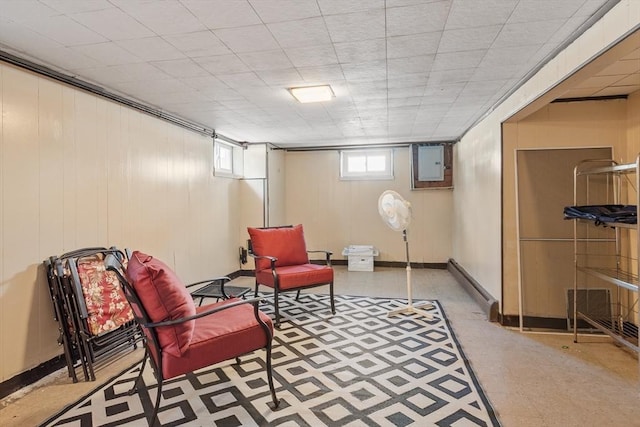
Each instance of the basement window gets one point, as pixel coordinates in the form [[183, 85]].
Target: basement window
[[227, 160], [366, 164]]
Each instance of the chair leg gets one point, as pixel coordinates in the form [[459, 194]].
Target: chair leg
[[277, 307], [333, 304], [134, 389], [298, 295], [255, 293], [154, 416], [276, 402]]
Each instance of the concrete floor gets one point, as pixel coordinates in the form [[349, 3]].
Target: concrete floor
[[531, 379]]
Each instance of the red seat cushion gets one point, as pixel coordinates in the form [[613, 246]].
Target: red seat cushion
[[285, 243], [296, 276], [164, 297], [218, 337]]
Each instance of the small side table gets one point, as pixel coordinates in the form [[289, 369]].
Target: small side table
[[213, 290]]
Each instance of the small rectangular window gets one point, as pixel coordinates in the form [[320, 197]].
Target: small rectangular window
[[227, 159], [366, 164]]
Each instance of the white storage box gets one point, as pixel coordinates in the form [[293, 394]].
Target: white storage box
[[360, 257]]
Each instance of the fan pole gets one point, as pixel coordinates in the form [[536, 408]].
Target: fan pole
[[410, 308]]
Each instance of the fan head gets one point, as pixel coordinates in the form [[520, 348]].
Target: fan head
[[394, 210]]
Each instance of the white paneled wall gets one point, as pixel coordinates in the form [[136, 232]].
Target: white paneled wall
[[338, 213], [78, 170]]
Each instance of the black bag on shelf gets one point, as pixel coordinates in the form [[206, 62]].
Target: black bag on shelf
[[603, 214]]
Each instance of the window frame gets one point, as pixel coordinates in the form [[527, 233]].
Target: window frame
[[346, 175], [235, 159]]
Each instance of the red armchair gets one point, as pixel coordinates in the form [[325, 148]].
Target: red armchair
[[282, 263], [180, 337]]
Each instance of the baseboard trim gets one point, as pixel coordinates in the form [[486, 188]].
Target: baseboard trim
[[482, 297], [29, 377], [393, 264]]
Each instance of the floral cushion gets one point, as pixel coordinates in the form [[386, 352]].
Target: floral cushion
[[106, 304]]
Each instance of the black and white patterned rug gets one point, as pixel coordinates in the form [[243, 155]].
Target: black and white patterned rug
[[356, 368]]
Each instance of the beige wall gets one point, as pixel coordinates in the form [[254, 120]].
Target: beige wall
[[559, 125], [477, 242], [338, 213], [79, 171]]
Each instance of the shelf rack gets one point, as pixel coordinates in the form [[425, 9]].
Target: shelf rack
[[621, 323]]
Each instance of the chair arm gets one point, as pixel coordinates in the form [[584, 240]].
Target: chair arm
[[270, 258], [327, 255], [252, 301]]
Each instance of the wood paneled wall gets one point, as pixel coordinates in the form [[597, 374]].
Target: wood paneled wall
[[78, 170]]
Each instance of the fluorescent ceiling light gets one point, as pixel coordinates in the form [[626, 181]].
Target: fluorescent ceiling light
[[312, 93]]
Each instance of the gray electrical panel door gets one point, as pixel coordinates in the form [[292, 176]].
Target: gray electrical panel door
[[431, 163]]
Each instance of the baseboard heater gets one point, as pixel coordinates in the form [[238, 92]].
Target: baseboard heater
[[479, 294]]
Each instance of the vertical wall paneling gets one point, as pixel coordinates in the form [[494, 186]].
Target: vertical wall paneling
[[20, 315], [51, 220], [3, 301], [78, 170]]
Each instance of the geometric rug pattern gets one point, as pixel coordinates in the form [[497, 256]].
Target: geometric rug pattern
[[355, 368]]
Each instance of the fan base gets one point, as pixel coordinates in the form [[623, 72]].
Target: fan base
[[417, 309]]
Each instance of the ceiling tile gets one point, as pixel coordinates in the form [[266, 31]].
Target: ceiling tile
[[151, 49], [361, 51], [284, 10], [415, 44], [288, 77], [107, 53], [222, 64], [304, 32], [527, 33], [113, 24], [75, 6], [23, 38], [204, 82], [200, 43], [326, 73], [266, 60], [450, 76], [122, 73], [541, 10], [335, 7], [356, 26], [181, 68], [240, 80], [458, 60], [400, 67], [623, 67], [223, 13], [26, 10], [421, 18], [468, 39], [66, 58], [374, 70], [64, 31], [247, 39], [165, 17], [465, 14], [312, 56]]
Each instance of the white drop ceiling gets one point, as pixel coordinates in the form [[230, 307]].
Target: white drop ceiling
[[401, 70]]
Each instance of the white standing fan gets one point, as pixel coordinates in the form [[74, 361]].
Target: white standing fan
[[396, 213]]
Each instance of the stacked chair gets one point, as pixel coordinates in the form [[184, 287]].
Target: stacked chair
[[95, 322]]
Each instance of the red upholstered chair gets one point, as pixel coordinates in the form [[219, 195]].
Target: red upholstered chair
[[180, 337], [282, 263]]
